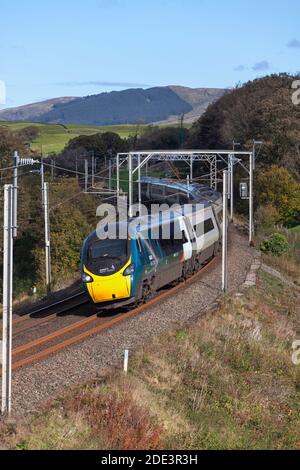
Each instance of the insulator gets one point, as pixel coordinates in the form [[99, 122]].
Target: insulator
[[27, 161]]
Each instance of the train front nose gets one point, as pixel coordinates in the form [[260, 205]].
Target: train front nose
[[104, 269], [106, 288]]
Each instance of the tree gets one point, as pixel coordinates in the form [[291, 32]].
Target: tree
[[29, 133], [161, 138], [9, 142], [100, 145], [276, 186]]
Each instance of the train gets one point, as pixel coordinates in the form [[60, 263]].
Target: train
[[162, 190], [160, 249]]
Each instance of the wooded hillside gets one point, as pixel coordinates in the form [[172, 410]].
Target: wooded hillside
[[261, 109]]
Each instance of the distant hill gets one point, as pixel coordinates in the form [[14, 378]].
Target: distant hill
[[198, 98], [130, 106], [26, 112]]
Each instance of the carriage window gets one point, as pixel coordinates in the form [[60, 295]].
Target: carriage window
[[171, 196], [208, 225], [144, 188], [183, 198], [172, 244], [157, 191]]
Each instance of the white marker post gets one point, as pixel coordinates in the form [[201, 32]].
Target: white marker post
[[126, 355]]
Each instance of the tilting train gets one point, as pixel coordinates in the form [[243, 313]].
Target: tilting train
[[170, 192], [119, 271]]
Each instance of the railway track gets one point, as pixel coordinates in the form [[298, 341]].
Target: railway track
[[44, 313], [54, 342]]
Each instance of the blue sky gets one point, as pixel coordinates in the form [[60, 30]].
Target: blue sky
[[75, 48]]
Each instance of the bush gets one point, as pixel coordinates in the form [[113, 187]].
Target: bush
[[267, 216], [276, 245], [276, 187]]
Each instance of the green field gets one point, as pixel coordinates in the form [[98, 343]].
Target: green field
[[52, 138]]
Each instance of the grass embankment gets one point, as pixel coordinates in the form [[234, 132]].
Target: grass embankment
[[289, 263], [52, 138], [225, 382]]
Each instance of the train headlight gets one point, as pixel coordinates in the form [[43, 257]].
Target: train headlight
[[129, 270], [86, 278]]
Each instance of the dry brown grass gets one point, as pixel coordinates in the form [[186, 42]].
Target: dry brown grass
[[289, 263], [285, 265]]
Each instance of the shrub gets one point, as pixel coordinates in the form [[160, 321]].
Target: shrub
[[276, 244], [267, 216], [117, 420], [276, 186]]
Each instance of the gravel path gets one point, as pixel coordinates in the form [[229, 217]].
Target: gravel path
[[39, 382]]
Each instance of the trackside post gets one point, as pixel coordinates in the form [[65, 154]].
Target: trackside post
[[47, 237], [7, 299], [224, 234]]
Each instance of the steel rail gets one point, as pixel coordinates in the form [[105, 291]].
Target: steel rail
[[28, 315], [36, 322]]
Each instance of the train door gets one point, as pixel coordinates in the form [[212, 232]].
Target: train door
[[188, 238], [211, 229], [173, 254], [207, 233], [219, 218]]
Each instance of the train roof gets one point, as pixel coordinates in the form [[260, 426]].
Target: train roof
[[201, 192]]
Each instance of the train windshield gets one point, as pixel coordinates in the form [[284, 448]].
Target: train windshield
[[105, 257]]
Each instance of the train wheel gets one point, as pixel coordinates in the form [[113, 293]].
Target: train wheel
[[146, 292], [197, 264], [187, 270], [217, 248]]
